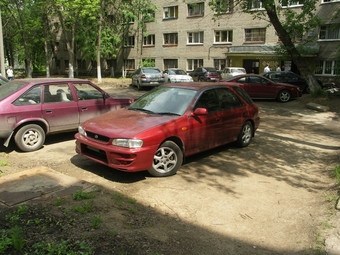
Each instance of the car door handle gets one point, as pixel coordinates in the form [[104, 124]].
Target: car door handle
[[84, 107], [48, 111]]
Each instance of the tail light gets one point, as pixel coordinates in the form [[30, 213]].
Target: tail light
[[143, 76], [163, 76]]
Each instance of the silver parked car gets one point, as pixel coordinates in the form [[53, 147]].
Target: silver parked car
[[173, 75], [147, 76], [229, 72]]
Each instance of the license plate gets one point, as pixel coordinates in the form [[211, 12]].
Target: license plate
[[154, 82]]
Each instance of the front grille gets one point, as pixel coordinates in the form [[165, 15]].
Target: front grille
[[94, 153], [97, 137]]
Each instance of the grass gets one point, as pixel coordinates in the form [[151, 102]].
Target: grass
[[34, 229]]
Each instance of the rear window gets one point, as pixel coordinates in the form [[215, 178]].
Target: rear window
[[244, 94], [9, 88], [151, 71]]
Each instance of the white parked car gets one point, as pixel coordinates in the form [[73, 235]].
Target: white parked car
[[232, 71], [173, 75]]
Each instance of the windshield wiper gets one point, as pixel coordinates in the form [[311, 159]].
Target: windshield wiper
[[140, 109], [168, 113]]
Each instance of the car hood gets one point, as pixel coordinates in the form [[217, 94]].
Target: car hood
[[125, 123]]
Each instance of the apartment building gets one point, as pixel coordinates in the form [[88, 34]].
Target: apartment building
[[188, 34]]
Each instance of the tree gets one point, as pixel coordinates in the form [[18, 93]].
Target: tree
[[27, 27], [287, 22]]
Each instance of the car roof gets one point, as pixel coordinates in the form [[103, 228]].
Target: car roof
[[200, 85], [46, 80]]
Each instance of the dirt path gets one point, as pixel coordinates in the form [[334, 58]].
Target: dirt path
[[268, 198]]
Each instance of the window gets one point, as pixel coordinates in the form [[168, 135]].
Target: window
[[327, 67], [32, 96], [254, 4], [219, 64], [329, 1], [196, 9], [291, 3], [330, 32], [170, 39], [255, 35], [223, 36], [195, 37], [170, 63], [149, 40], [129, 41], [170, 12], [228, 99], [194, 63], [130, 64], [57, 93], [224, 6]]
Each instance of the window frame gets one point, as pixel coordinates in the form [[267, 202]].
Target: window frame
[[192, 12], [261, 33], [230, 35], [149, 38], [169, 8], [169, 37], [326, 32], [129, 41], [192, 64], [333, 67], [191, 37]]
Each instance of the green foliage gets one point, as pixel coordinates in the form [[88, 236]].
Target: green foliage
[[95, 222], [80, 195], [5, 241], [17, 236], [85, 208], [336, 174], [319, 93], [147, 63], [62, 248]]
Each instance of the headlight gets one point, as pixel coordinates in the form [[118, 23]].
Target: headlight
[[129, 143], [81, 130]]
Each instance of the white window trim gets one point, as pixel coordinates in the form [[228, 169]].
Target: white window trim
[[195, 43], [228, 42]]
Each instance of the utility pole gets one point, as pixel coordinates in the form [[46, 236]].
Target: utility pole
[[2, 51]]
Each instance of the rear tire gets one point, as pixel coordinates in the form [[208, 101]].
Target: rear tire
[[167, 160], [284, 96], [244, 138], [30, 138]]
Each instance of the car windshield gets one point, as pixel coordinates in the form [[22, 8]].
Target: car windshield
[[179, 71], [165, 100], [9, 88]]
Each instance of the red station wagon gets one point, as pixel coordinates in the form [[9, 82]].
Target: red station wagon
[[32, 108], [168, 123]]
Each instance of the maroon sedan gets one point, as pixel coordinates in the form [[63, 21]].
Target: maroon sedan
[[166, 124], [32, 108], [259, 87]]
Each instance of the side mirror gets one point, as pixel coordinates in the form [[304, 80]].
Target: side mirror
[[199, 111]]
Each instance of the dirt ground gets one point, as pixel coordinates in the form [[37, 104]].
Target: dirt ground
[[276, 196]]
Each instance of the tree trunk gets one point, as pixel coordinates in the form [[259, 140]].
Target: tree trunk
[[296, 57]]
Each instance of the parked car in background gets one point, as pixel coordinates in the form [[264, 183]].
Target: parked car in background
[[147, 76], [290, 78], [259, 87], [229, 72], [3, 80], [205, 74], [168, 123], [173, 75], [32, 108]]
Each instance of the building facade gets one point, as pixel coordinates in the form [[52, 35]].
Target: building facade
[[188, 34]]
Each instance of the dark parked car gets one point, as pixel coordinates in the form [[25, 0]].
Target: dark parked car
[[32, 108], [168, 123], [259, 87], [205, 74], [290, 78], [147, 76], [3, 80]]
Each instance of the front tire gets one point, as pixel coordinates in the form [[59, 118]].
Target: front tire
[[30, 138], [284, 96], [244, 138], [167, 160]]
